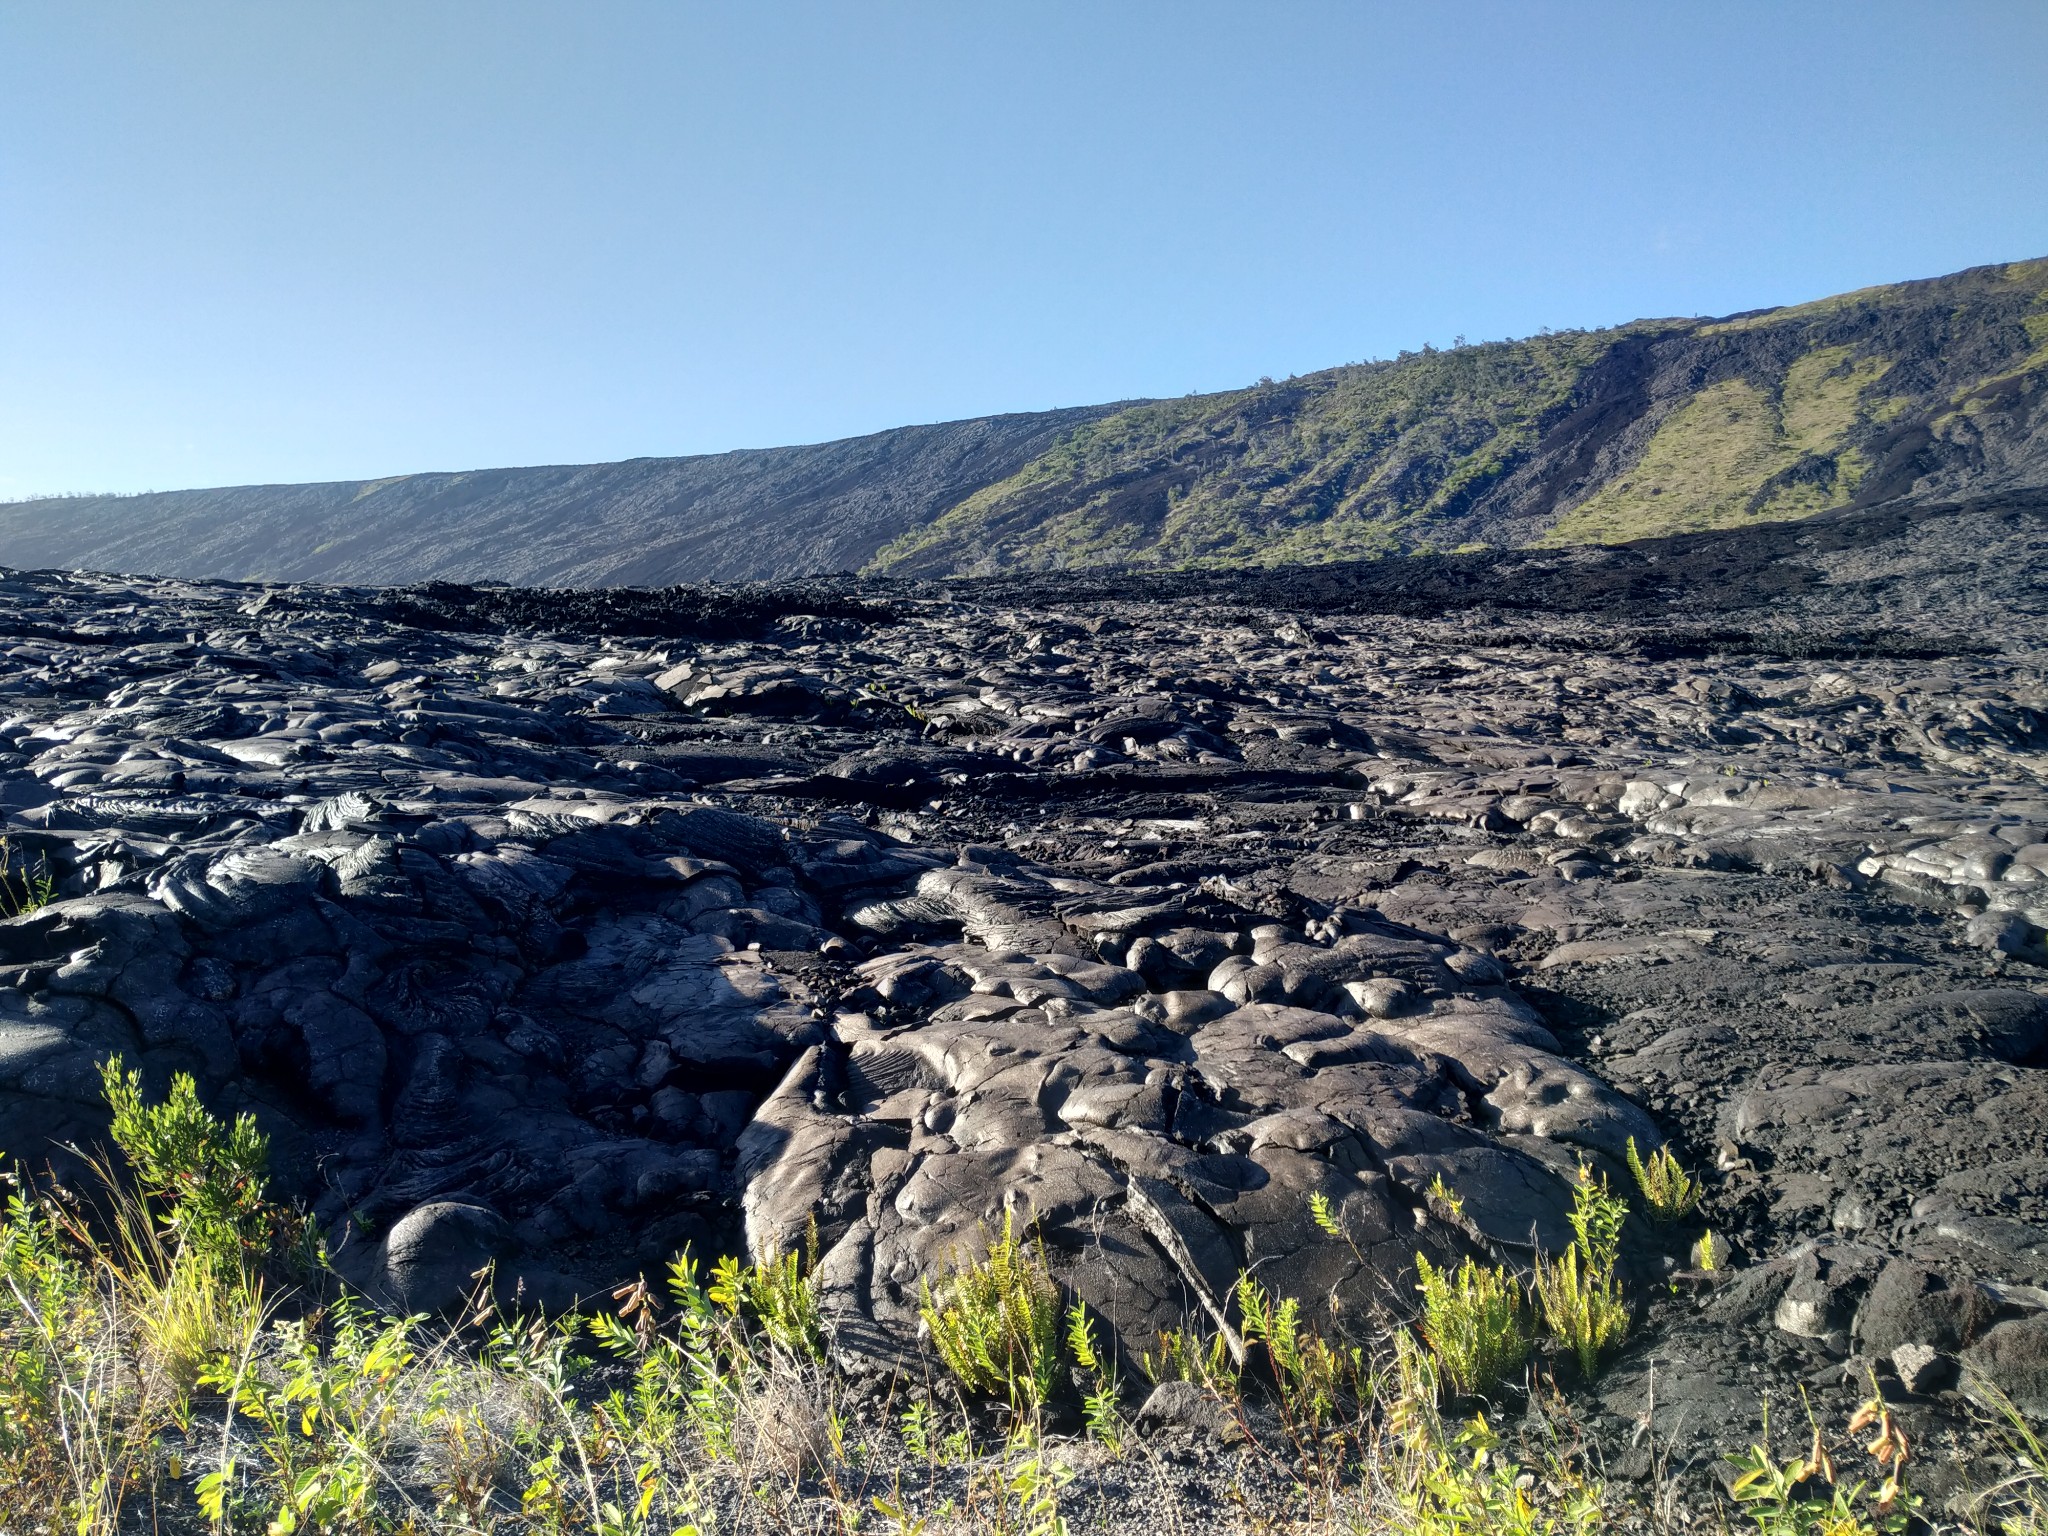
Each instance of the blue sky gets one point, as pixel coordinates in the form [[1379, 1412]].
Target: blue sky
[[269, 242]]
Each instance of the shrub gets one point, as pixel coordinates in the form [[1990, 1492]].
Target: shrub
[[1465, 1483], [1451, 1479], [696, 1376], [105, 1330], [1804, 1496], [1582, 1308], [59, 1450], [1474, 1320], [1669, 1193], [1596, 1219], [194, 1231], [326, 1413], [996, 1324], [208, 1180]]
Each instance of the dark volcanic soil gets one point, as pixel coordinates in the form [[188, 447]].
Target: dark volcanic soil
[[568, 928]]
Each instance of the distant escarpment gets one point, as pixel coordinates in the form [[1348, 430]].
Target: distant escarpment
[[1908, 394], [751, 515], [1914, 391]]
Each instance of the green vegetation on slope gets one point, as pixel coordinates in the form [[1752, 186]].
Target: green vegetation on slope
[[1578, 437], [1737, 454], [1358, 461]]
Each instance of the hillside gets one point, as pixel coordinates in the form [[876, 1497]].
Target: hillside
[[1914, 390], [1911, 392], [742, 516]]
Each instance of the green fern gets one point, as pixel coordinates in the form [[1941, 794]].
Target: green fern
[[24, 887], [1185, 1356], [1474, 1319], [1578, 1292], [1309, 1371], [996, 1324], [776, 1295], [1101, 1405], [1669, 1193]]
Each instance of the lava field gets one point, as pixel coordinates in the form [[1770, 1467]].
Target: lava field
[[1172, 915]]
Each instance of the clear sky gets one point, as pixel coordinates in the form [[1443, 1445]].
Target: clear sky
[[290, 241]]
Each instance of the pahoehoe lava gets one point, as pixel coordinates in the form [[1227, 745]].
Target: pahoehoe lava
[[568, 928]]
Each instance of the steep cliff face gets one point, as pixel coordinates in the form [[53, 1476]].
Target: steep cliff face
[[720, 517], [1913, 392]]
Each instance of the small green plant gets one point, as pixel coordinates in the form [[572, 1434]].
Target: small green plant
[[694, 1376], [713, 1375], [463, 1452], [1781, 1497], [1710, 1253], [1101, 1404], [919, 1428], [1670, 1194], [1184, 1355], [1578, 1292], [325, 1418], [778, 1296], [1308, 1370], [996, 1324], [674, 1384], [207, 1180], [558, 1444], [1582, 1308], [878, 693], [1325, 1216], [1597, 1217], [1474, 1319], [1447, 1197], [62, 1446], [1454, 1479], [24, 887], [1331, 1224], [895, 1510], [1021, 1495], [1469, 1484]]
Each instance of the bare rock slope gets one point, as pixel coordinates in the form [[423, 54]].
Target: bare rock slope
[[740, 516]]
